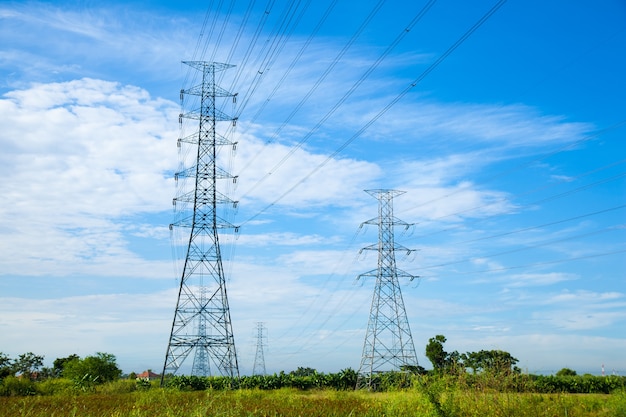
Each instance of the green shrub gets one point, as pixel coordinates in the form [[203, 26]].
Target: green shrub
[[189, 383], [54, 386], [13, 386], [118, 387], [143, 384], [586, 384], [96, 369]]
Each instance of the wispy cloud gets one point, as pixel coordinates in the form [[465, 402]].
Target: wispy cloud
[[79, 157], [50, 42], [523, 280]]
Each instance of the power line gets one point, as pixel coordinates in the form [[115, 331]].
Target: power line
[[556, 261], [506, 172], [404, 92], [252, 44], [240, 31], [600, 231], [531, 204], [283, 33], [327, 71], [526, 229], [346, 95], [293, 63], [222, 30]]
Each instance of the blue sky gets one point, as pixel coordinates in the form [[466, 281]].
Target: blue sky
[[510, 150]]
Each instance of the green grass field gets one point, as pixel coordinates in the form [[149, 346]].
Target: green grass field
[[293, 402]]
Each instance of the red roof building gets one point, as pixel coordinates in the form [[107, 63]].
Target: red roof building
[[149, 375]]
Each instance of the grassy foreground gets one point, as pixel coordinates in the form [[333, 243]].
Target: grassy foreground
[[292, 402]]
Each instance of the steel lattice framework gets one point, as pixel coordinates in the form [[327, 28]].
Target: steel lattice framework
[[202, 321], [388, 341], [259, 358]]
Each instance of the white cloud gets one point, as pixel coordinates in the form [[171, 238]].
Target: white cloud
[[474, 126], [48, 42], [328, 186], [79, 157], [576, 297], [549, 278], [88, 324]]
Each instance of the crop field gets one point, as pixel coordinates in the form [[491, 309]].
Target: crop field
[[293, 402]]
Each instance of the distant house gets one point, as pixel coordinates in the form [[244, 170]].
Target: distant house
[[148, 375]]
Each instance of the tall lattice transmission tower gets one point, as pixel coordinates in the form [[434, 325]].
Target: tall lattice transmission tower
[[388, 341], [259, 358], [202, 323]]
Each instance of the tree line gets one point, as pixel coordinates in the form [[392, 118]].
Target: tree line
[[492, 361], [484, 369], [98, 368]]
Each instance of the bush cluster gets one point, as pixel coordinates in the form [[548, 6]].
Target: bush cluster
[[343, 380], [346, 380], [584, 384], [394, 381]]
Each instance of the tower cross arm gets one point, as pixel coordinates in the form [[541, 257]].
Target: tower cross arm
[[402, 274], [400, 248], [372, 273], [206, 66], [198, 91], [199, 114], [392, 221]]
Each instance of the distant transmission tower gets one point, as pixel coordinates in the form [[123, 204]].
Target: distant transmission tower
[[388, 341], [202, 318], [259, 358]]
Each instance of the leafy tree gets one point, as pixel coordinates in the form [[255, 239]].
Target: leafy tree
[[27, 364], [6, 368], [97, 369], [303, 372], [454, 363], [495, 361], [435, 352], [59, 364], [566, 372]]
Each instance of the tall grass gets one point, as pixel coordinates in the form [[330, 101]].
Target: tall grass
[[451, 400], [397, 394]]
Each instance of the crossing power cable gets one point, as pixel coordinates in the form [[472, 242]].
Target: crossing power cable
[[346, 95], [531, 204], [291, 66], [518, 167], [252, 44], [403, 93], [534, 203], [218, 41], [268, 55], [293, 63], [327, 71], [528, 247], [240, 31], [313, 318], [542, 263], [539, 226]]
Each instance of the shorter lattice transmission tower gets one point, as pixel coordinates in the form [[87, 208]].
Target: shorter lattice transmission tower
[[259, 358], [388, 342]]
